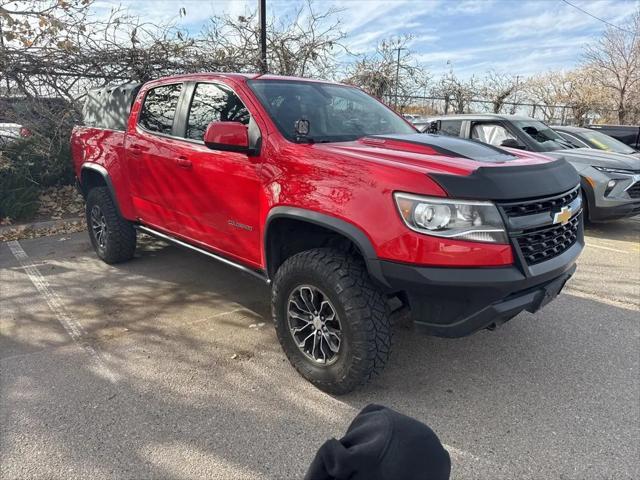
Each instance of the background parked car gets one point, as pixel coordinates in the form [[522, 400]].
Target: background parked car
[[10, 132], [629, 134], [610, 181], [417, 121], [589, 138]]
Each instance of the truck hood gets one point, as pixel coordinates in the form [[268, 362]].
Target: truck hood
[[431, 153], [464, 168], [582, 157]]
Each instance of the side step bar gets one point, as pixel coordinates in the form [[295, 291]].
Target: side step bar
[[180, 243]]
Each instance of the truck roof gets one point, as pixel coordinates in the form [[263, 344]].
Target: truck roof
[[109, 107], [238, 76]]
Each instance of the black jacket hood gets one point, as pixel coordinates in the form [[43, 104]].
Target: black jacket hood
[[382, 444]]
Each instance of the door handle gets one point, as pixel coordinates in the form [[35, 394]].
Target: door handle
[[183, 162]]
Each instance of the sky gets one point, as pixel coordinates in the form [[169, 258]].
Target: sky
[[520, 37]]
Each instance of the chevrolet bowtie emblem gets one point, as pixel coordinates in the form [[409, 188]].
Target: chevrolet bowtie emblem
[[563, 216]]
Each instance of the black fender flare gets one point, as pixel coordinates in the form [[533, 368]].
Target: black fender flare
[[107, 180], [346, 229], [589, 196]]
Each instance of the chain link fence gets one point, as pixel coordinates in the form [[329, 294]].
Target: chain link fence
[[552, 114]]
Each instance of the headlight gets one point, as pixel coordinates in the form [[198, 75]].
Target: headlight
[[444, 217], [615, 170]]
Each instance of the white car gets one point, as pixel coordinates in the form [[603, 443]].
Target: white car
[[10, 132]]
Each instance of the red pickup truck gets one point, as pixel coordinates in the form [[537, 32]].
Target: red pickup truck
[[335, 200]]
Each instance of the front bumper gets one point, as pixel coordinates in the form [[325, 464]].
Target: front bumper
[[614, 212], [616, 204], [455, 302]]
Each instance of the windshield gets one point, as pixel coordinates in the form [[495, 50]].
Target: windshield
[[335, 113], [547, 139], [605, 142]]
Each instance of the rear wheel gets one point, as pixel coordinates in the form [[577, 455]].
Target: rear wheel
[[113, 238], [332, 322]]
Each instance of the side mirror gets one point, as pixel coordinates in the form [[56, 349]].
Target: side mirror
[[227, 136], [512, 143]]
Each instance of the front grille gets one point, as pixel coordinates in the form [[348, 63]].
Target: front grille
[[634, 190], [541, 205], [540, 244]]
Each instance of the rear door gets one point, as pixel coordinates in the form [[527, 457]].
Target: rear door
[[153, 151], [220, 208]]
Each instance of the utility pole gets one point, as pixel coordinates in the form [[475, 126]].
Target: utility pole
[[263, 35], [515, 95], [398, 74]]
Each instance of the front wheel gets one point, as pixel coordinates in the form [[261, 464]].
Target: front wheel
[[331, 320]]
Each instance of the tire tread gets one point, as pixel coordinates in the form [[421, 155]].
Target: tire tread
[[122, 234]]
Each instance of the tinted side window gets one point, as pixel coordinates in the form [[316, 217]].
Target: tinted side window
[[212, 102], [490, 133], [159, 108], [451, 127], [572, 140]]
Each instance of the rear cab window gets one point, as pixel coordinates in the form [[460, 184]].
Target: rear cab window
[[159, 109]]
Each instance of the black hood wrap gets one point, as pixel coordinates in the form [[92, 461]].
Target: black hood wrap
[[454, 147], [511, 183]]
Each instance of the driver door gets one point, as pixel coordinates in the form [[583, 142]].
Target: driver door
[[219, 204]]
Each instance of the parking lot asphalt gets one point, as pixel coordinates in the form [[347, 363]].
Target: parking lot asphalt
[[168, 367]]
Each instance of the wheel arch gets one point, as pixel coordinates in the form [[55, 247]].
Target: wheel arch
[[279, 218], [589, 196], [93, 175]]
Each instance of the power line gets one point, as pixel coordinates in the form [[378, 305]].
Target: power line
[[597, 18]]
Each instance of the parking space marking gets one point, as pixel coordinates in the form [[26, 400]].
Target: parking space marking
[[71, 326], [589, 244], [600, 299]]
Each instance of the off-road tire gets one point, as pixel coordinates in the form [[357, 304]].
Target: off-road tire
[[120, 239], [361, 307]]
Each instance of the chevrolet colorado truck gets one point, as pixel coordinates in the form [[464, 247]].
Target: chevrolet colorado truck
[[349, 213], [610, 181]]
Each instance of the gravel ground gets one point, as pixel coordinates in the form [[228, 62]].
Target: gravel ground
[[168, 367]]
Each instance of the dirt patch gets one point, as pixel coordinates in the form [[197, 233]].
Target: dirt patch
[[61, 211], [60, 202]]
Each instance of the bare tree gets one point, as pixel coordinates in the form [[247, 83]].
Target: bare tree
[[546, 91], [456, 92], [389, 72], [302, 45], [498, 88], [582, 94], [615, 61]]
